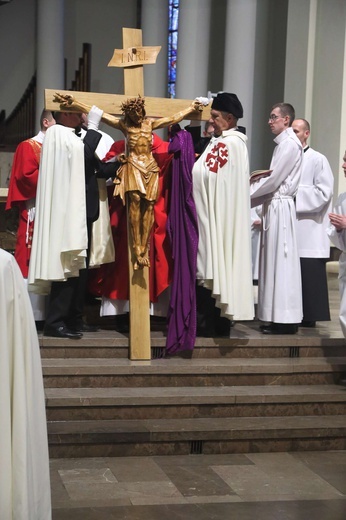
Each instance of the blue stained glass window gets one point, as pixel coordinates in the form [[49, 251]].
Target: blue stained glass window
[[172, 45]]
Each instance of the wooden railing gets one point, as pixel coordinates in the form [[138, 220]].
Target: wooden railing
[[20, 124], [81, 80]]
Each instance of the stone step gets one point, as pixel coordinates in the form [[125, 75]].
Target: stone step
[[195, 436], [70, 404], [120, 372], [245, 342]]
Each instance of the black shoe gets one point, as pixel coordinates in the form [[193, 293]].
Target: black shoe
[[61, 332], [309, 324], [82, 327], [282, 328]]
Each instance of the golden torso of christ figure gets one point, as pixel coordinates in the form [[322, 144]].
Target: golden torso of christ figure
[[139, 171]]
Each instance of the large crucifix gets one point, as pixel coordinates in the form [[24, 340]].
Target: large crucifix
[[132, 58]]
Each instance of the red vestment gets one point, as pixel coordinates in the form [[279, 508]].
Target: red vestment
[[112, 280], [22, 188]]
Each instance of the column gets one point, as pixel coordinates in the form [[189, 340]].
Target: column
[[315, 76], [50, 49], [193, 48], [155, 32], [239, 64]]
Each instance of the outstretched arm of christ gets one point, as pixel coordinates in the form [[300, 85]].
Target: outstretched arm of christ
[[69, 102], [196, 106]]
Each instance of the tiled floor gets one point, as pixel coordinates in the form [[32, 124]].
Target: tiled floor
[[263, 486]]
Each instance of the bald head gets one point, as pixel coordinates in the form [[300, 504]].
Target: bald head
[[301, 128]]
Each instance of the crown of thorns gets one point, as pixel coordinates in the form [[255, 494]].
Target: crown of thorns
[[135, 105]]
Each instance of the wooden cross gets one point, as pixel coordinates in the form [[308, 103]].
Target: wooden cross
[[132, 58]]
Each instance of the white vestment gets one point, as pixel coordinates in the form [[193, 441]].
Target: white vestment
[[60, 236], [102, 245], [24, 473], [222, 198], [313, 203], [279, 282], [338, 239]]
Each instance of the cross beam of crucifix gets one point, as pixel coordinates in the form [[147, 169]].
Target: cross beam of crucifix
[[111, 103]]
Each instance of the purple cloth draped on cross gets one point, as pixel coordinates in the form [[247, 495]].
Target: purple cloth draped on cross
[[182, 230]]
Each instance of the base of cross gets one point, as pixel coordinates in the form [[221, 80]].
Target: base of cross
[[139, 344]]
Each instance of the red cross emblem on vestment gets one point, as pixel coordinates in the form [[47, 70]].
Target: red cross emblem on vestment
[[217, 157]]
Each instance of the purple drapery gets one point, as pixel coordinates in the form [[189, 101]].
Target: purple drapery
[[182, 230]]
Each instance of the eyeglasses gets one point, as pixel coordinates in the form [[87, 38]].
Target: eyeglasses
[[274, 117]]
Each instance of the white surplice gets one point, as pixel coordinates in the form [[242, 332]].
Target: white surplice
[[102, 245], [60, 238], [222, 198], [338, 239], [313, 203], [24, 474], [279, 282]]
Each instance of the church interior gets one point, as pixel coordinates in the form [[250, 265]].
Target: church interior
[[240, 427]]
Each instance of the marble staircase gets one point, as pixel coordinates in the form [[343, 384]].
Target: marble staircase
[[248, 393]]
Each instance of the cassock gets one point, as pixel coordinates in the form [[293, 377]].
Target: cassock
[[338, 239], [222, 198], [60, 236], [279, 282], [313, 203], [24, 475], [22, 193]]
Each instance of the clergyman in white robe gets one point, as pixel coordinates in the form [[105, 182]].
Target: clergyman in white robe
[[24, 474], [60, 238], [313, 203], [279, 282]]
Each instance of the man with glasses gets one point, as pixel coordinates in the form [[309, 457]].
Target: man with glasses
[[279, 283]]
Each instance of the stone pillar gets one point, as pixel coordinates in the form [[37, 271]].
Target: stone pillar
[[239, 64], [315, 77], [193, 48], [155, 32], [50, 49]]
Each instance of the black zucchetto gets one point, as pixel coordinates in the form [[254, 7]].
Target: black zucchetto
[[226, 102]]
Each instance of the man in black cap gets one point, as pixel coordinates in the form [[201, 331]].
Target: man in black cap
[[200, 142], [221, 193]]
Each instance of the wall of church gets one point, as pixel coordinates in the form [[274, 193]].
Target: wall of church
[[18, 51], [316, 75], [98, 23]]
